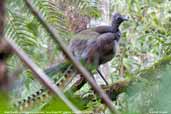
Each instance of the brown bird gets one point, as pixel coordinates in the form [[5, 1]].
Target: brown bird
[[87, 37], [98, 45]]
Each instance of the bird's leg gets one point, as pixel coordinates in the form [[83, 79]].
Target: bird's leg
[[102, 76]]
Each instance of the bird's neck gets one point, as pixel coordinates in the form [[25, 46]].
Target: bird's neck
[[115, 27]]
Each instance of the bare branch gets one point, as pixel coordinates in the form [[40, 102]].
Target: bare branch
[[76, 63], [4, 50], [41, 75]]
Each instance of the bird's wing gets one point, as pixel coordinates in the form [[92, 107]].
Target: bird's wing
[[92, 33], [90, 53], [77, 46], [86, 34], [108, 41], [105, 40], [103, 29], [107, 46]]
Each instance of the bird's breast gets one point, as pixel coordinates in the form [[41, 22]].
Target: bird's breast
[[106, 58], [107, 52]]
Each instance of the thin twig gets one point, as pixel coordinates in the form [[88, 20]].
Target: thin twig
[[76, 63], [41, 75]]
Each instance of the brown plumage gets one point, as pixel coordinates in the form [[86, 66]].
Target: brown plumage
[[98, 45], [101, 50]]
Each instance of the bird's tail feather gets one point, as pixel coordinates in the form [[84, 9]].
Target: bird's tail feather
[[42, 94]]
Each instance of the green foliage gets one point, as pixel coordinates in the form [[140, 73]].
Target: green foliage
[[5, 105], [145, 40], [145, 37], [56, 105], [150, 93]]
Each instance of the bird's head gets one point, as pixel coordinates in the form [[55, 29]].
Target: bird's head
[[117, 19]]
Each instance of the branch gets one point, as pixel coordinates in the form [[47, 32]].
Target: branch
[[5, 51], [69, 55], [115, 89]]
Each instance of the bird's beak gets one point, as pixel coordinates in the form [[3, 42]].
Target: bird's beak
[[125, 18]]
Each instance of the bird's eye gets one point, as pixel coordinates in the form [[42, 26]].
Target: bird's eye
[[118, 18]]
